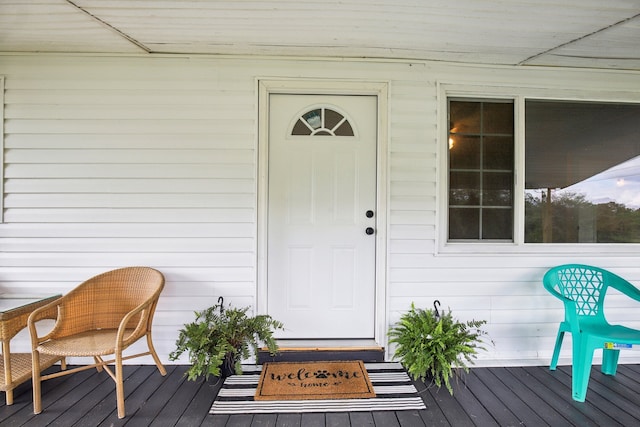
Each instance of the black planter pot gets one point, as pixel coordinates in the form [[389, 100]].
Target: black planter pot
[[228, 366]]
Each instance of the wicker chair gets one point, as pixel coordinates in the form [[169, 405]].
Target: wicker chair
[[102, 316]]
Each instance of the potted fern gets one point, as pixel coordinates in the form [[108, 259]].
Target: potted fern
[[433, 345], [219, 339]]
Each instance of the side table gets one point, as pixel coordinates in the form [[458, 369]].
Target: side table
[[14, 312]]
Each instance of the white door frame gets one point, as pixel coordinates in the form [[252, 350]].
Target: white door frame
[[332, 87]]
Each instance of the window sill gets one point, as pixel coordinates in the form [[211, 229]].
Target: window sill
[[508, 248]]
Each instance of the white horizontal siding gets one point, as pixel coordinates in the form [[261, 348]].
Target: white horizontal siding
[[137, 164], [152, 161], [504, 287], [2, 148], [239, 140], [55, 171]]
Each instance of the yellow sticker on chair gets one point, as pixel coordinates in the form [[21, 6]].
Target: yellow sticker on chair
[[614, 345]]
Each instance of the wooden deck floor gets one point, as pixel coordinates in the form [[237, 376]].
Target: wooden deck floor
[[531, 396]]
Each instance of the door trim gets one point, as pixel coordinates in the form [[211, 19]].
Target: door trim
[[266, 87]]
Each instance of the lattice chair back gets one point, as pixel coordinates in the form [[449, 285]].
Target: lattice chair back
[[584, 285]]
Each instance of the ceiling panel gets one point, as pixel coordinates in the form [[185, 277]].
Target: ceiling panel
[[583, 33], [613, 47], [55, 26]]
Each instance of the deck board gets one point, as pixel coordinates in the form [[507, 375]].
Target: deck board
[[485, 393], [510, 393], [337, 419], [529, 400], [462, 410], [312, 420], [434, 416], [600, 409], [137, 389], [385, 418], [558, 410], [555, 395], [485, 397]]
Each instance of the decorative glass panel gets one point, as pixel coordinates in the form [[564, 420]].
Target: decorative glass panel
[[323, 122]]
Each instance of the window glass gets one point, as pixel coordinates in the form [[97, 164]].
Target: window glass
[[582, 172], [322, 122], [481, 164]]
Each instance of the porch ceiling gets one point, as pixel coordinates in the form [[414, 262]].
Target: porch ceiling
[[571, 33]]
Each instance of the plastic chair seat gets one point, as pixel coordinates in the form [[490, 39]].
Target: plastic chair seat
[[613, 333]]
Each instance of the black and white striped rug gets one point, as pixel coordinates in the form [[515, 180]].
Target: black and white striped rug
[[394, 392]]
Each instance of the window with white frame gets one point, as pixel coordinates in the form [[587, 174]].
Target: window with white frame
[[581, 171], [481, 163]]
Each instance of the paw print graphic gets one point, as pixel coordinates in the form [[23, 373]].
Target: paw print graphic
[[321, 374]]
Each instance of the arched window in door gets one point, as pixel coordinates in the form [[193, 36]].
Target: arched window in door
[[322, 121]]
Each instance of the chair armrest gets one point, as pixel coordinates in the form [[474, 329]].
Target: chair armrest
[[49, 311], [121, 340], [624, 287]]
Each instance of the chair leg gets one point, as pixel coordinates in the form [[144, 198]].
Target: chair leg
[[581, 369], [98, 361], [36, 381], [156, 359], [610, 361], [120, 386], [6, 358], [556, 350]]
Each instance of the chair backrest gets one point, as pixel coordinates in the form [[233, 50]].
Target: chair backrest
[[585, 285], [102, 301]]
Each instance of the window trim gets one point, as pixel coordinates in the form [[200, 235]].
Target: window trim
[[446, 90]]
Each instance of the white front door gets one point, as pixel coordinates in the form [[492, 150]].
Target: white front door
[[321, 215]]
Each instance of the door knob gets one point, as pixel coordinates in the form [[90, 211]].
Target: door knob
[[369, 231], [369, 214]]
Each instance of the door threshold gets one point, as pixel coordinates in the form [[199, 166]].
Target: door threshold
[[308, 350], [326, 344]]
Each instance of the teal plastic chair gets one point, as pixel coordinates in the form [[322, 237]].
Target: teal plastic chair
[[582, 289]]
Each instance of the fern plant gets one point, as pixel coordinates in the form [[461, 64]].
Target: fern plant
[[219, 339], [434, 345]]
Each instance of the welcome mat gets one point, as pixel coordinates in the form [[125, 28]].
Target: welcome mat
[[314, 380], [393, 388]]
